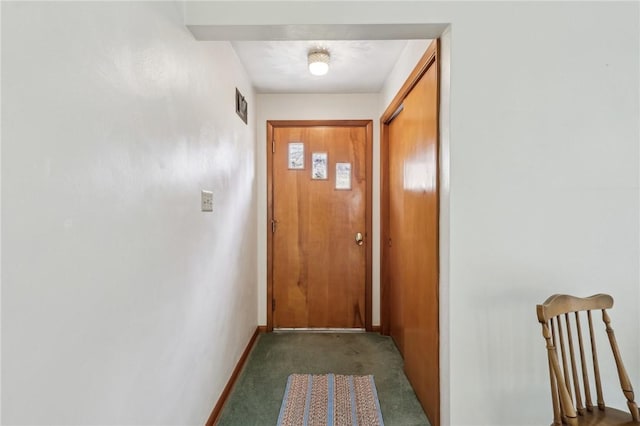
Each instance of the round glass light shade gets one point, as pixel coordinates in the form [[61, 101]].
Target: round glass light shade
[[318, 63]]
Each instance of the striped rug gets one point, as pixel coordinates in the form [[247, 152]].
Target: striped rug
[[330, 399]]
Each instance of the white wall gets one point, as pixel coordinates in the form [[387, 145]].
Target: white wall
[[544, 137], [314, 107], [411, 54], [122, 303], [445, 225], [0, 222], [544, 193]]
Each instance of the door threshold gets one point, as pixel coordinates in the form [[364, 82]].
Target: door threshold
[[319, 330]]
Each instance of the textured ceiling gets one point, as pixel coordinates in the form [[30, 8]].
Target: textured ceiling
[[356, 66]]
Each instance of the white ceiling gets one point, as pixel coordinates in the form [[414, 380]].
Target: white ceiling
[[356, 66]]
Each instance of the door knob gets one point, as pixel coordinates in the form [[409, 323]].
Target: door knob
[[359, 239]]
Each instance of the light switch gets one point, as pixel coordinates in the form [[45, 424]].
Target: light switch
[[207, 201]]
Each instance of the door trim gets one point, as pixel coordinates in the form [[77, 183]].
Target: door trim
[[368, 126], [420, 69]]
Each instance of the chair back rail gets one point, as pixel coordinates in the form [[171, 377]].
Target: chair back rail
[[562, 328]]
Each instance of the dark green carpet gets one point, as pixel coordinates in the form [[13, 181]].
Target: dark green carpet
[[257, 395]]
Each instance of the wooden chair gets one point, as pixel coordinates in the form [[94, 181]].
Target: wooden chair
[[571, 379]]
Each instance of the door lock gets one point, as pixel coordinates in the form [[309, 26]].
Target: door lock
[[359, 239]]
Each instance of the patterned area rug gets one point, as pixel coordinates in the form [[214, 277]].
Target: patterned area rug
[[330, 399]]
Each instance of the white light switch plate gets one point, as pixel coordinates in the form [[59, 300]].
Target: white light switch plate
[[207, 201]]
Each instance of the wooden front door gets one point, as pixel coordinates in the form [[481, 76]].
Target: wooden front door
[[412, 231], [319, 224]]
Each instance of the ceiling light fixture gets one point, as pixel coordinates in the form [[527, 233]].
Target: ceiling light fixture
[[318, 62]]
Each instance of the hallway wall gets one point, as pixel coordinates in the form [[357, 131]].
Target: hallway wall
[[406, 62], [544, 171], [122, 303]]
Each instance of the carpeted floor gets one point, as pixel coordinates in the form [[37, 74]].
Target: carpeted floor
[[257, 396]]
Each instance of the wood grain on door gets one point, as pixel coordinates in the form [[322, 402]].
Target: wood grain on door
[[318, 267]]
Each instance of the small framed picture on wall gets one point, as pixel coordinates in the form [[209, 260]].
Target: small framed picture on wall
[[343, 176], [319, 166], [241, 106], [296, 156]]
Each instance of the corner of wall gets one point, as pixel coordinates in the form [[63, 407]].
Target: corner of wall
[[445, 224]]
